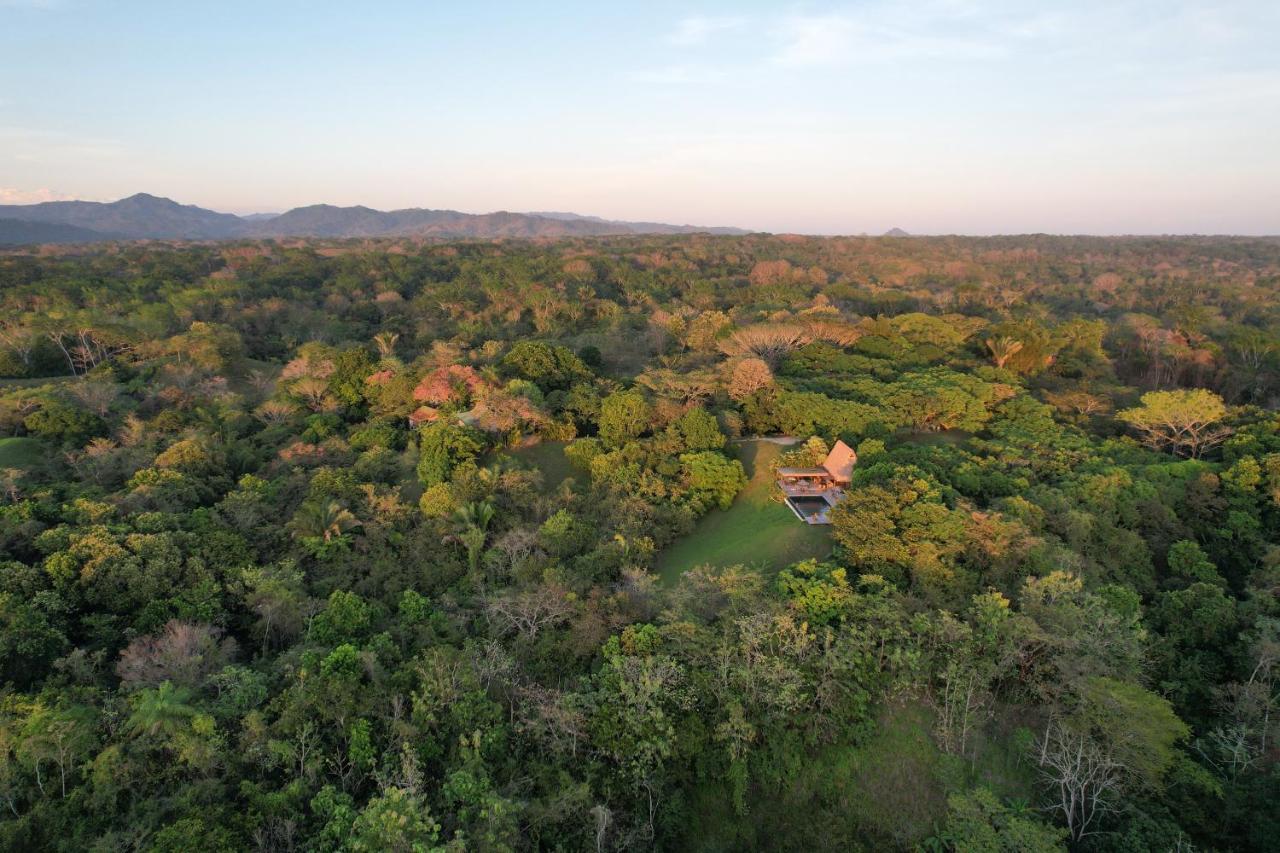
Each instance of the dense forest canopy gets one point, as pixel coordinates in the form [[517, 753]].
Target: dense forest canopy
[[352, 545]]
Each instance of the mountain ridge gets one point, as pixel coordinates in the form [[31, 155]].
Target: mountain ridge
[[143, 216]]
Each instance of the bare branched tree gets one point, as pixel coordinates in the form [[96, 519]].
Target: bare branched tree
[[529, 611], [1083, 778], [767, 341]]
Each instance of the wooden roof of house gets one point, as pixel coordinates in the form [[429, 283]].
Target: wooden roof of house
[[423, 415], [840, 461], [838, 465]]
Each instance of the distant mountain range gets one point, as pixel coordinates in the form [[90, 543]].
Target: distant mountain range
[[144, 216]]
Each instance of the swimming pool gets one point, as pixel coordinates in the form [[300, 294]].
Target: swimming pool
[[807, 507]]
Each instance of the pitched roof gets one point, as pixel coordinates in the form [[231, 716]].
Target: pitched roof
[[840, 461], [422, 415]]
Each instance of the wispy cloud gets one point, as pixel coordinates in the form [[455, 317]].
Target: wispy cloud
[[13, 195], [815, 40], [890, 31], [677, 75], [32, 4], [697, 29]]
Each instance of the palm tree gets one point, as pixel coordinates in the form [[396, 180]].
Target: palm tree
[[476, 514], [215, 420], [1003, 349], [328, 521], [474, 519], [162, 711], [386, 344]]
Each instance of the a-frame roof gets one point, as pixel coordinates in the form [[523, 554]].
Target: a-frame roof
[[840, 462]]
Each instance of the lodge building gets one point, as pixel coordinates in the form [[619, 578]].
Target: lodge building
[[812, 492]]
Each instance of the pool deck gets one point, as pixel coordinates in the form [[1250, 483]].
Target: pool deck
[[829, 493], [831, 496]]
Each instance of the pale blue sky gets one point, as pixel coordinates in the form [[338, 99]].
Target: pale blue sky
[[947, 116]]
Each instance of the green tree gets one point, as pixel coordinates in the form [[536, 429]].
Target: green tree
[[1002, 349], [56, 740], [64, 424], [698, 430], [1186, 422], [163, 712], [624, 415], [474, 519], [977, 822], [324, 525], [551, 367], [894, 521], [442, 447], [395, 821], [713, 479]]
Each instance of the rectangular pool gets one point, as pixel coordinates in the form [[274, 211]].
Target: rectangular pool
[[807, 507]]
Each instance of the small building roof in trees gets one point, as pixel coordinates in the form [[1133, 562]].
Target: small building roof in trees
[[838, 466], [840, 461], [423, 415]]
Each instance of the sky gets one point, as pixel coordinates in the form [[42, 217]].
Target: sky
[[941, 116]]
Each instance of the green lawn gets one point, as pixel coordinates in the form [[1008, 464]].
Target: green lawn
[[756, 531], [548, 457], [20, 453]]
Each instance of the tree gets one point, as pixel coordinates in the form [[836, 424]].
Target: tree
[[324, 523], [184, 653], [624, 415], [474, 520], [748, 376], [713, 478], [1082, 634], [1118, 737], [550, 367], [698, 430], [1084, 781], [705, 329], [32, 634], [276, 595], [18, 337], [1002, 349], [529, 611], [967, 659], [895, 522], [1184, 422], [58, 736], [346, 618], [70, 426], [442, 447], [396, 821], [939, 398], [977, 822], [162, 712], [768, 342], [386, 344]]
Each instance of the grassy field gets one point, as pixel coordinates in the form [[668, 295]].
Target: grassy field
[[33, 382], [548, 457], [756, 531], [20, 453]]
